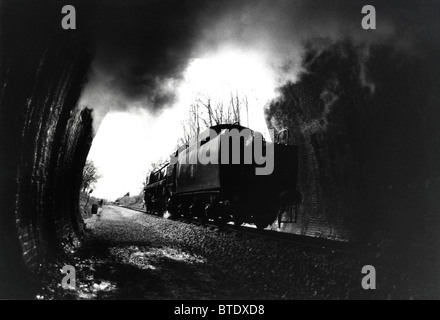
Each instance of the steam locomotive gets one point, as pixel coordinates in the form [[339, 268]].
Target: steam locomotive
[[226, 188]]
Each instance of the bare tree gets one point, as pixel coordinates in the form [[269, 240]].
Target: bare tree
[[208, 113], [90, 176], [235, 107], [191, 127], [206, 103], [156, 165]]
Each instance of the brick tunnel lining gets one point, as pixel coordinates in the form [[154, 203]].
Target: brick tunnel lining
[[45, 138], [369, 162]]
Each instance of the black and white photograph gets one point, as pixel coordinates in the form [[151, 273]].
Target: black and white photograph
[[220, 155]]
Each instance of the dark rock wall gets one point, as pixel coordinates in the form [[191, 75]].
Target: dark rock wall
[[44, 136], [368, 132]]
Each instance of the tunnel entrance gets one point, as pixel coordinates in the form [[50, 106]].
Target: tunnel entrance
[[45, 139], [369, 151]]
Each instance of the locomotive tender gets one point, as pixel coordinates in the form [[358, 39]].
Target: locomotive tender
[[225, 191]]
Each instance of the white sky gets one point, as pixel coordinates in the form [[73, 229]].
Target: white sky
[[128, 142]]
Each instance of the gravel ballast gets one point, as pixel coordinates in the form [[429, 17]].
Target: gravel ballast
[[132, 255]]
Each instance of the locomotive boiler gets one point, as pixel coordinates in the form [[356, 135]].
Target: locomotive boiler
[[220, 177]]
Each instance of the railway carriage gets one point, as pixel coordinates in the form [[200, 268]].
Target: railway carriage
[[220, 190]]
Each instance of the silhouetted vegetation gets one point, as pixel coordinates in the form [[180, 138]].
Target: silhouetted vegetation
[[365, 119]]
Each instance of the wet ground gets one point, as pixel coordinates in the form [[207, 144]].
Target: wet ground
[[132, 255]]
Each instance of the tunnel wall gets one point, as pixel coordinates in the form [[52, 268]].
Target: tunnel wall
[[45, 138], [369, 150], [328, 172]]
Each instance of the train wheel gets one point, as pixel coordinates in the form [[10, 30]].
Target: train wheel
[[210, 212], [202, 218], [238, 214], [192, 211], [161, 211], [237, 217], [238, 221], [222, 216], [171, 208], [261, 225], [261, 222], [196, 211], [187, 213], [220, 221], [181, 210]]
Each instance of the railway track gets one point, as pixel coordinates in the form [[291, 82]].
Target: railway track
[[249, 231]]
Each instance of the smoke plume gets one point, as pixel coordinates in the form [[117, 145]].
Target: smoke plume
[[142, 48]]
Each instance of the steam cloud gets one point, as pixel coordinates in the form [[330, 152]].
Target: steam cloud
[[143, 48]]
